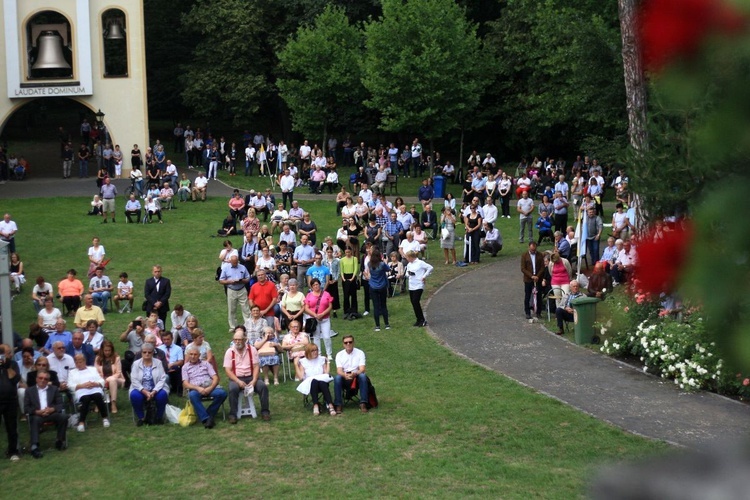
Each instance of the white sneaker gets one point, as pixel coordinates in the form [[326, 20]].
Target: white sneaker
[[365, 313], [81, 428], [105, 423], [14, 458]]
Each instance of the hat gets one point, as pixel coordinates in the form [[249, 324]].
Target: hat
[[252, 191]]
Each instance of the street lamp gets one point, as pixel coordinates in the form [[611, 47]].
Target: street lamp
[[100, 125]]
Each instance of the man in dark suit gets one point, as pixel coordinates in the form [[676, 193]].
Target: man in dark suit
[[157, 292], [429, 221], [43, 403], [77, 346], [532, 267]]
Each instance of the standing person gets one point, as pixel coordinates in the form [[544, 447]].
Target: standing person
[[332, 286], [417, 270], [179, 134], [96, 255], [109, 191], [235, 277], [532, 267], [376, 272], [8, 230], [318, 305], [448, 240], [349, 266], [286, 183], [9, 378], [157, 291], [67, 157], [594, 228], [525, 208], [84, 154], [473, 226]]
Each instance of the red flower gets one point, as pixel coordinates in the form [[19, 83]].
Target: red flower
[[673, 28], [660, 261]]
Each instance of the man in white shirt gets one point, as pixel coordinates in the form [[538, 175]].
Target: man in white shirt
[[304, 155], [416, 156], [178, 317], [61, 363], [562, 186], [489, 161], [288, 236], [259, 204], [199, 187], [404, 217], [366, 194], [8, 229], [171, 175], [286, 183], [278, 217], [350, 366], [489, 211]]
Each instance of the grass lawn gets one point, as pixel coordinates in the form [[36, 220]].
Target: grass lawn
[[445, 427]]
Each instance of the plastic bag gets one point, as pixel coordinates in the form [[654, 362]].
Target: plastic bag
[[172, 413], [187, 416]]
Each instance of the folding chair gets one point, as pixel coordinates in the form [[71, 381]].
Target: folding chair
[[245, 406]]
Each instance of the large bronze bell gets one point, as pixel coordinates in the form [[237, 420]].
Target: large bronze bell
[[115, 32], [50, 54]]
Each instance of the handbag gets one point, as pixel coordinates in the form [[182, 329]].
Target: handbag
[[311, 324], [187, 416]]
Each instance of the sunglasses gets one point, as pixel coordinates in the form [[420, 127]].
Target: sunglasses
[[348, 342]]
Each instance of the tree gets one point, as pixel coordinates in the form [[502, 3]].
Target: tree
[[558, 75], [420, 66], [319, 75], [226, 75]]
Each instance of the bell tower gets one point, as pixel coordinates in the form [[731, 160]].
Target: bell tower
[[91, 51]]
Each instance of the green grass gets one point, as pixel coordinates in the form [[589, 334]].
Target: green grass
[[445, 427]]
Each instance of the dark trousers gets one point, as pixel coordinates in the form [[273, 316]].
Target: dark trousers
[[98, 400], [415, 296], [506, 204], [35, 424], [528, 289], [9, 414], [379, 304], [72, 303], [366, 289], [318, 387], [350, 295], [130, 213], [561, 222], [175, 380], [563, 315], [287, 197]]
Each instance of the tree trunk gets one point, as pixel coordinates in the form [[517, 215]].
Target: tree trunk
[[461, 151], [635, 88], [325, 139]]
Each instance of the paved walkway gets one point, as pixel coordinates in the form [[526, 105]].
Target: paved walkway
[[500, 338]]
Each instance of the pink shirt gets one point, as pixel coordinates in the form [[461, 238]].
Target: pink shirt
[[560, 274], [243, 367], [325, 300]]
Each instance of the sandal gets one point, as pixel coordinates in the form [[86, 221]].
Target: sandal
[[332, 410]]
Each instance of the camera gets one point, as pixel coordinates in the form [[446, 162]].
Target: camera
[[137, 323]]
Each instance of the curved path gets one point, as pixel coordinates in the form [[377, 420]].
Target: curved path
[[501, 339]]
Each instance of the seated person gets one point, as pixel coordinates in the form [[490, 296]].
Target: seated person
[[269, 350], [409, 245], [294, 344], [87, 312], [39, 294], [96, 206], [21, 169], [622, 270], [42, 365], [133, 208], [350, 375], [317, 178], [184, 189], [199, 341], [227, 227], [313, 370], [236, 206], [88, 387], [493, 240], [70, 289], [564, 312], [109, 366], [92, 336], [100, 288], [562, 245], [395, 272], [242, 366], [600, 282], [175, 359], [59, 334], [544, 225], [199, 187], [124, 293], [609, 255], [148, 382], [380, 179], [77, 346], [332, 180], [278, 217], [48, 316], [166, 194], [153, 208], [288, 236], [420, 237], [43, 403], [201, 381]]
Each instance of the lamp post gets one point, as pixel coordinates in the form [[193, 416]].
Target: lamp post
[[5, 308], [100, 125]]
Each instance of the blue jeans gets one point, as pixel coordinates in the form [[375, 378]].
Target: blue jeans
[[101, 299], [218, 395], [83, 168], [138, 400], [340, 383]]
